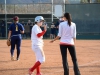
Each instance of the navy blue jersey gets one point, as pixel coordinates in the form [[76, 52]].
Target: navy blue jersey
[[16, 28]]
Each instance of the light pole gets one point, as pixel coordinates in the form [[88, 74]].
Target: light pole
[[40, 6], [6, 18], [64, 6], [52, 11]]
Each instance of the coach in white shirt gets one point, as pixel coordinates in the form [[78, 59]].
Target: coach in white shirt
[[67, 33]]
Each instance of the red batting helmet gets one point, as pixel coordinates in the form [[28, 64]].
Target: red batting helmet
[[15, 18]]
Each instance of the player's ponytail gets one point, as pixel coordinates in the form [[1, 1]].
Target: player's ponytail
[[68, 17]]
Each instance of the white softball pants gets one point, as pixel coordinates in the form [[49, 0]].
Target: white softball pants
[[39, 53]]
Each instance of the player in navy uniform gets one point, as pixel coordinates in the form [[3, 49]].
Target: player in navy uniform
[[2, 25], [57, 24], [15, 31]]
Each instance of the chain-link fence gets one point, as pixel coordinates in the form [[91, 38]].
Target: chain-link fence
[[29, 9], [26, 8]]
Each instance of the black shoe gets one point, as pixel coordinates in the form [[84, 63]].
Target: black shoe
[[17, 59]]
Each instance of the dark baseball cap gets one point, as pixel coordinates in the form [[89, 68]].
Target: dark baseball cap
[[15, 18]]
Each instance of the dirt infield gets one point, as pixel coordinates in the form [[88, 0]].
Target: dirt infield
[[88, 55]]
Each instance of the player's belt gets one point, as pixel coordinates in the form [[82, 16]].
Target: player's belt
[[16, 35]]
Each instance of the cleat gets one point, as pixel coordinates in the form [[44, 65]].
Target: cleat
[[30, 72], [17, 59], [39, 74], [12, 58]]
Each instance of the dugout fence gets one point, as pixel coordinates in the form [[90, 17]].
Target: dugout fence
[[85, 13], [87, 19]]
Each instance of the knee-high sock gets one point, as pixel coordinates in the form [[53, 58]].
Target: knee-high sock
[[37, 64], [38, 69]]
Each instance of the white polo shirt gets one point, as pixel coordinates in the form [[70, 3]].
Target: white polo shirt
[[67, 33], [36, 40]]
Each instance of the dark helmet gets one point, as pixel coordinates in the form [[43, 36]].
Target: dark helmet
[[15, 18]]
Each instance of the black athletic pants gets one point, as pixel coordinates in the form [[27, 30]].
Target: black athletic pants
[[71, 48]]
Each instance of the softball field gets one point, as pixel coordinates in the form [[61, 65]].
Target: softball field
[[88, 55]]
